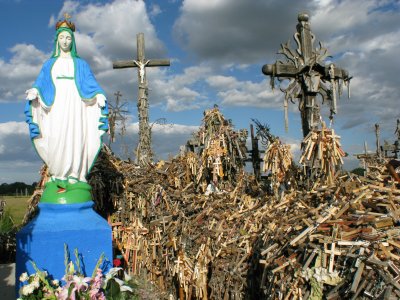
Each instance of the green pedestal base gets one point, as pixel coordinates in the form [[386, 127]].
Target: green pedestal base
[[63, 192]]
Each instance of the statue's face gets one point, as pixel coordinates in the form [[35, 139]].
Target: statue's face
[[65, 40]]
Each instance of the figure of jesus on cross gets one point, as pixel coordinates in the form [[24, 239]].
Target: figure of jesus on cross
[[141, 67], [144, 154]]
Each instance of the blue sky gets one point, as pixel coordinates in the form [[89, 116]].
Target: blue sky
[[217, 49]]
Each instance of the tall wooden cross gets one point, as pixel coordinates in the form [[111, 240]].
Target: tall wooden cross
[[308, 75], [144, 154]]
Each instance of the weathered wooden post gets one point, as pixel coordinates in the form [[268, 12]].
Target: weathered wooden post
[[308, 76], [378, 142], [144, 154]]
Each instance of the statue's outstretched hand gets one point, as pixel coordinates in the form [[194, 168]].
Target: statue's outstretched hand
[[31, 94], [101, 100]]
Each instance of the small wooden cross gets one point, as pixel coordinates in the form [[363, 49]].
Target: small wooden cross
[[332, 252], [154, 243], [173, 240], [218, 167], [178, 264], [158, 232], [143, 152], [212, 223], [164, 221]]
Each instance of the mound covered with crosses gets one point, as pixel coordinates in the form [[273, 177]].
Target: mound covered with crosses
[[199, 227]]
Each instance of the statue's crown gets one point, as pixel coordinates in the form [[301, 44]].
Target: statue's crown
[[66, 23]]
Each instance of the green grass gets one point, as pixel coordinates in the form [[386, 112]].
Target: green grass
[[17, 206]]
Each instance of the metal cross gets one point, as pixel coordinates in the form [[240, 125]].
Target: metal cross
[[308, 75], [144, 154], [116, 114]]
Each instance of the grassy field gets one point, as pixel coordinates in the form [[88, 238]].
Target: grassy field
[[17, 207]]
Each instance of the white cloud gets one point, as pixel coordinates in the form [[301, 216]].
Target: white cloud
[[180, 104], [163, 129], [69, 7], [155, 10], [178, 92], [18, 74], [87, 48], [236, 31], [11, 128], [222, 82], [18, 160], [244, 93], [350, 13], [113, 27], [21, 171]]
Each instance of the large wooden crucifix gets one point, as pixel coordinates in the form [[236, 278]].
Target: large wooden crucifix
[[144, 154], [308, 76]]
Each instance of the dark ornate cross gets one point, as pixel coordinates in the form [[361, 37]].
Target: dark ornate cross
[[308, 76], [144, 154]]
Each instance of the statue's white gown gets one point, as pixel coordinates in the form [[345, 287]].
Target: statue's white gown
[[70, 138]]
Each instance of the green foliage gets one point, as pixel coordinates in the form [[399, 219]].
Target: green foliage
[[17, 206], [20, 187], [67, 258], [6, 222], [7, 237], [97, 267], [113, 292], [78, 261]]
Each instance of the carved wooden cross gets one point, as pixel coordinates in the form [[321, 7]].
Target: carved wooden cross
[[308, 76], [144, 154]]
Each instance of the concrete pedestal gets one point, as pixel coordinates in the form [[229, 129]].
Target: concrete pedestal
[[77, 225]]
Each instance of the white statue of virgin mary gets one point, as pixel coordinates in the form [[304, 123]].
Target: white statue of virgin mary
[[66, 112]]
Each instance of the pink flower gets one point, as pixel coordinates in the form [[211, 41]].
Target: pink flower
[[98, 279], [78, 284], [81, 283], [96, 295], [95, 292], [62, 294]]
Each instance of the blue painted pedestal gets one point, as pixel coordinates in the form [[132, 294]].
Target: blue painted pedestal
[[77, 225]]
